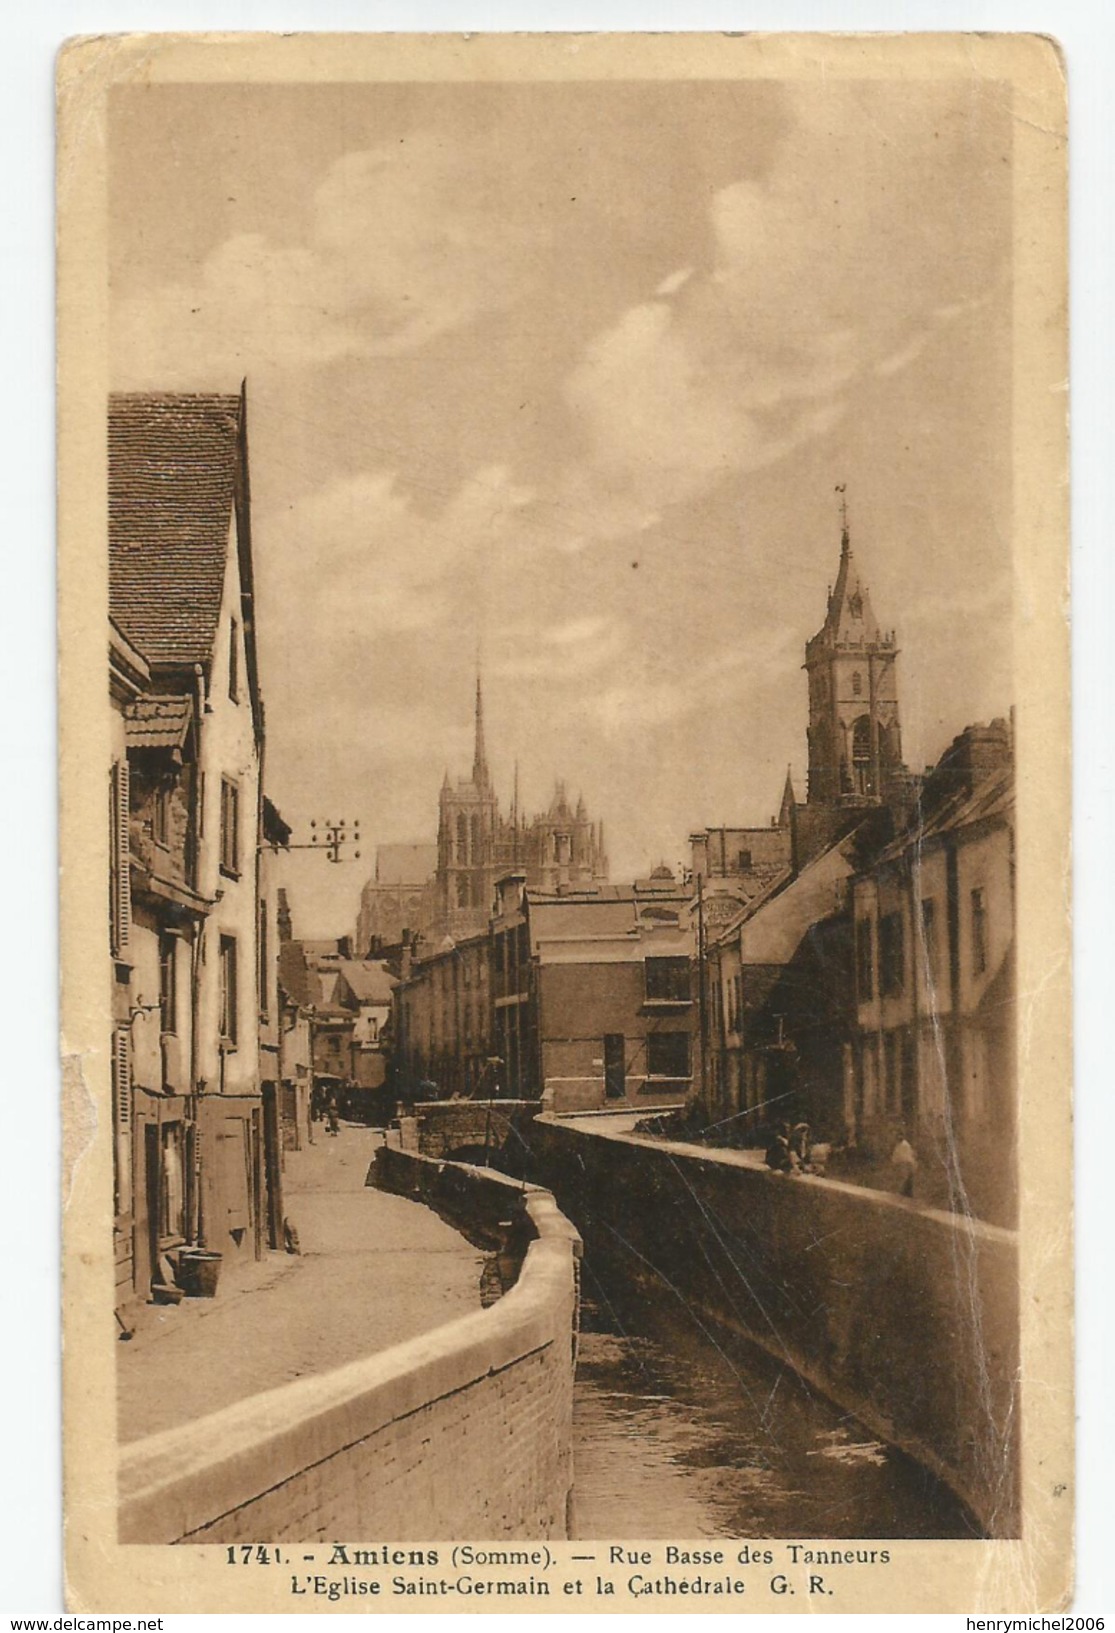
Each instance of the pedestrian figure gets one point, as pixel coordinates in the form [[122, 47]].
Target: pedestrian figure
[[333, 1116], [779, 1157], [904, 1161], [800, 1146]]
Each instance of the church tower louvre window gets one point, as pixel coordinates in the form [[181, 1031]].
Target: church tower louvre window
[[855, 745]]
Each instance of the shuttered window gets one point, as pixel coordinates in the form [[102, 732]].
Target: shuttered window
[[122, 1117], [120, 886], [168, 983], [230, 826], [264, 971], [228, 989]]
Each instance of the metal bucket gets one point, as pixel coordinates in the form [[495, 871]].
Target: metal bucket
[[198, 1272]]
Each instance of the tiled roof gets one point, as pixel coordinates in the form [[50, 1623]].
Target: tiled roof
[[158, 721], [171, 480], [369, 981]]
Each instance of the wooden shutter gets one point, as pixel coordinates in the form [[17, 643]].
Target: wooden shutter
[[122, 1080], [120, 902]]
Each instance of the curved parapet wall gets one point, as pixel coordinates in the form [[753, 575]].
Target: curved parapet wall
[[906, 1316], [411, 1443]]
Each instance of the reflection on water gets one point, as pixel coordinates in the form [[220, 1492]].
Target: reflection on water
[[682, 1433]]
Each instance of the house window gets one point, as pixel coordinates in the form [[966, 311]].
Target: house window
[[744, 863], [865, 961], [668, 1054], [160, 815], [891, 955], [168, 983], [227, 989], [234, 661], [667, 980], [929, 936], [979, 932], [230, 826]]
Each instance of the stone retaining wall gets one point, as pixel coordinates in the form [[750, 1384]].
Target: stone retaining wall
[[446, 1127], [415, 1443], [906, 1316]]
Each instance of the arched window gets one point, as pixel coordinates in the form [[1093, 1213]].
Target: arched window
[[861, 756], [462, 837], [857, 683], [476, 851]]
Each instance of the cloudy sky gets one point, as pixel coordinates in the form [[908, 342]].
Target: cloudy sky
[[568, 373]]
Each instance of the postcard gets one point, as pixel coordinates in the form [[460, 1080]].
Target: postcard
[[566, 983]]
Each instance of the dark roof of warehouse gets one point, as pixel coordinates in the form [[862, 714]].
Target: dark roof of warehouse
[[172, 475]]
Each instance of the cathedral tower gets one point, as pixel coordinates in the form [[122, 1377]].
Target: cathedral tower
[[561, 849], [855, 746], [467, 840]]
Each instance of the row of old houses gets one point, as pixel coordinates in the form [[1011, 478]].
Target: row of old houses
[[849, 964], [581, 997], [206, 1045], [866, 984]]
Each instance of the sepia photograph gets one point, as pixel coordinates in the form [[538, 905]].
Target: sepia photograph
[[557, 994]]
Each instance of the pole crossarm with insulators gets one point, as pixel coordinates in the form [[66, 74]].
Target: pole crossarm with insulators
[[331, 838]]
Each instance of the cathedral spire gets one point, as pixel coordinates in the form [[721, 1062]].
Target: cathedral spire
[[479, 757], [789, 800]]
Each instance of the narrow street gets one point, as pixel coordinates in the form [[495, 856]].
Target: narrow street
[[374, 1270]]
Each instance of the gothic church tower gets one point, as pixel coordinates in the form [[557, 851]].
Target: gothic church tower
[[855, 745], [468, 834]]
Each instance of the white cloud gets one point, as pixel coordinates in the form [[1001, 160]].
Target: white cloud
[[399, 248], [824, 278], [371, 562], [671, 285]]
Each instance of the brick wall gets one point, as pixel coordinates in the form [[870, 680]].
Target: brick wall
[[906, 1316], [464, 1432]]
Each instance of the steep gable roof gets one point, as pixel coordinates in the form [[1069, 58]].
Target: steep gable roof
[[174, 465]]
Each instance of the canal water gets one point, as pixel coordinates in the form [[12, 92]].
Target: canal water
[[680, 1432]]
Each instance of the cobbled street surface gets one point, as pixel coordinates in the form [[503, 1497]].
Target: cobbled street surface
[[374, 1270]]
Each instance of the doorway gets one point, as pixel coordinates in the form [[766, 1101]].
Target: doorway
[[615, 1066]]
